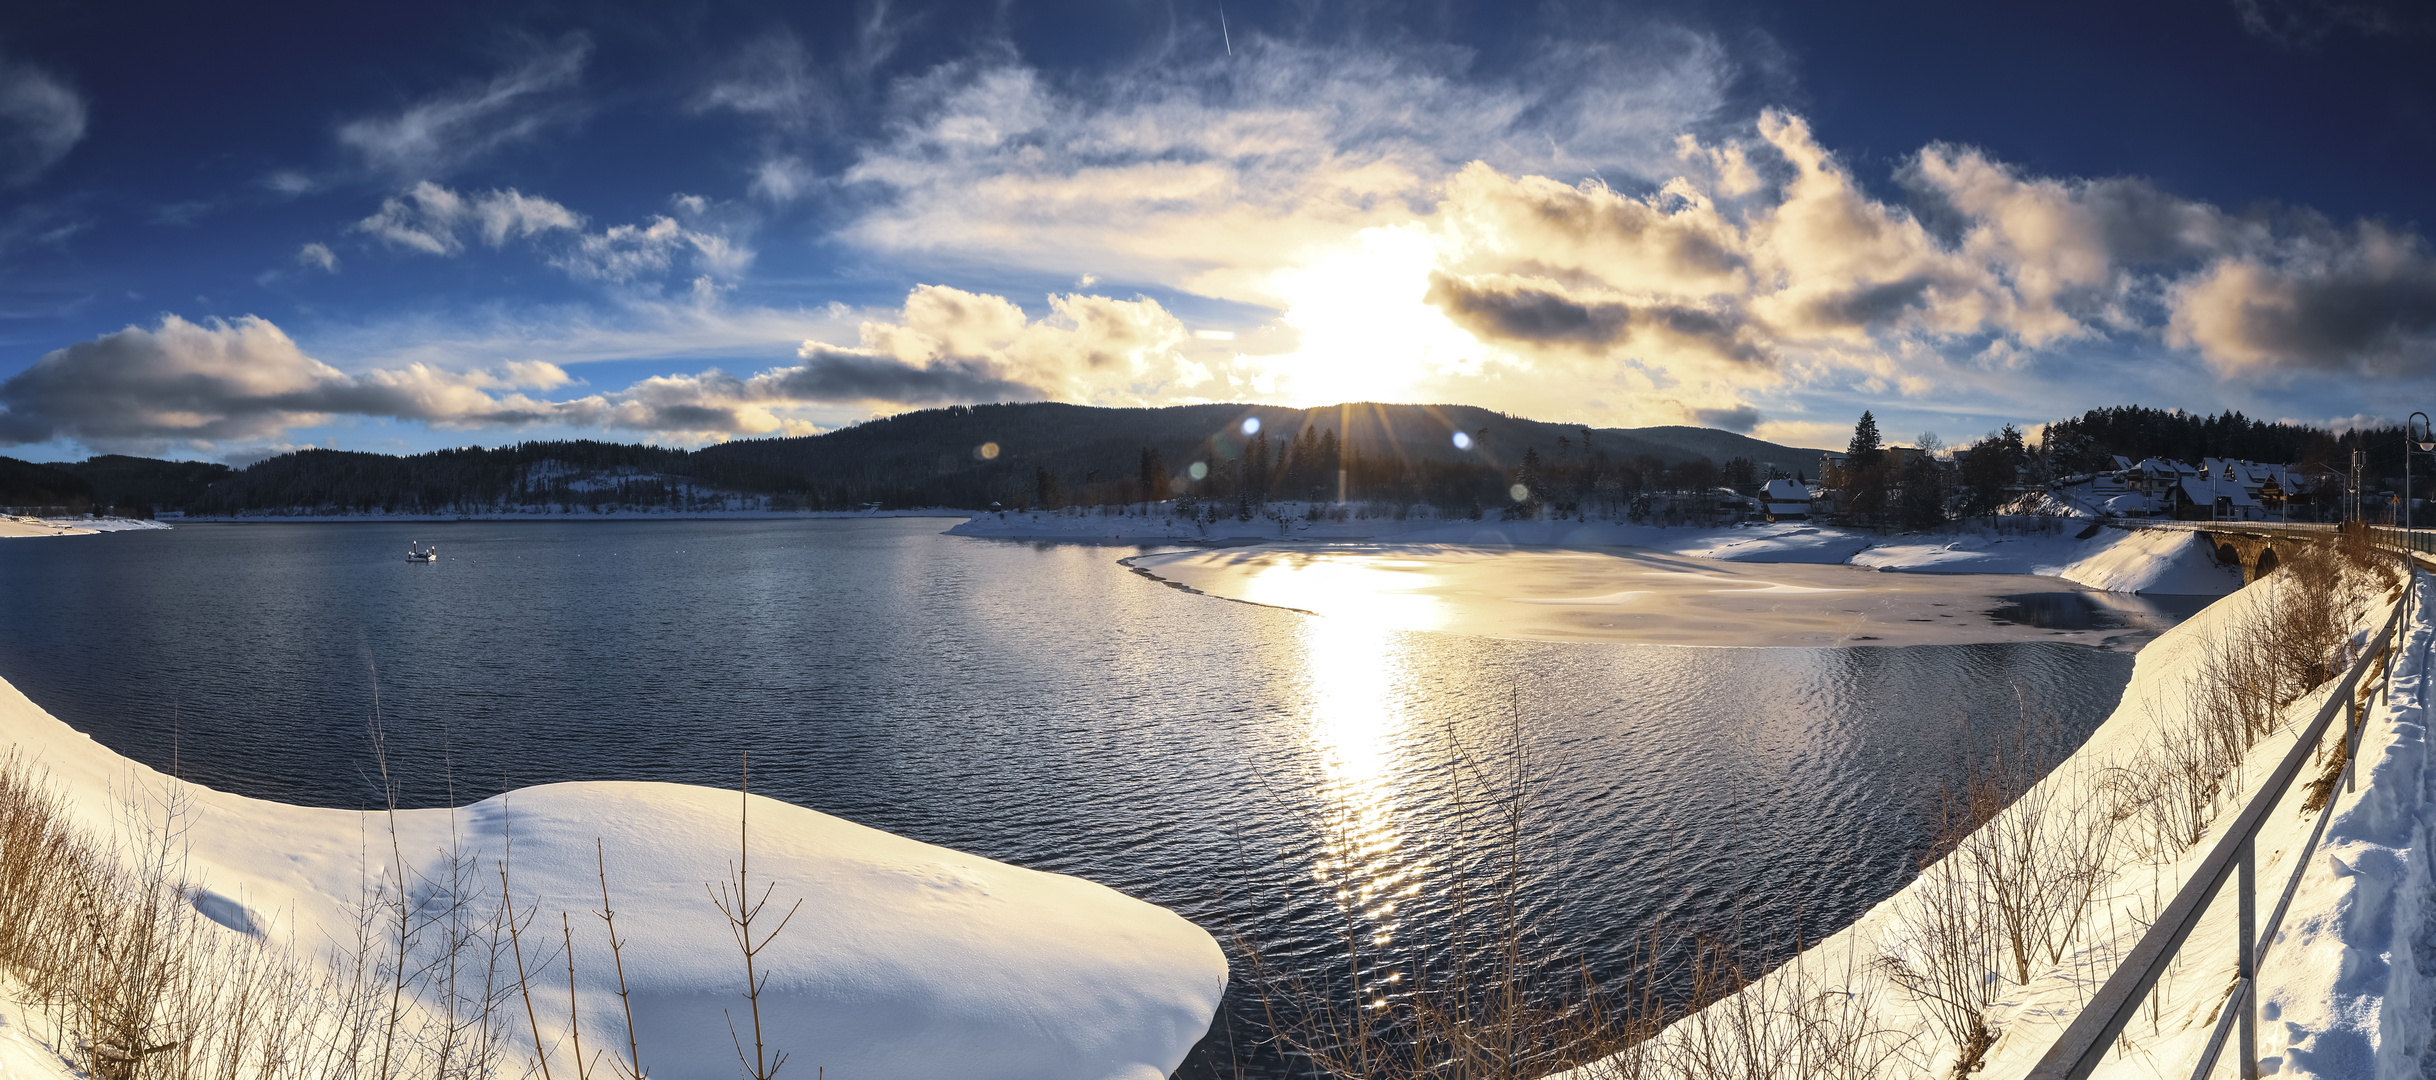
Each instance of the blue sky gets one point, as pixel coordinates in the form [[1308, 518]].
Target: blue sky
[[228, 233]]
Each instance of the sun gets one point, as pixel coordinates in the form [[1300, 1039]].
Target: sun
[[1366, 332]]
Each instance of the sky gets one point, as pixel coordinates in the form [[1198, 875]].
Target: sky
[[225, 234]]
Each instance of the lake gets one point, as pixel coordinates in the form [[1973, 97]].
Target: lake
[[1301, 780]]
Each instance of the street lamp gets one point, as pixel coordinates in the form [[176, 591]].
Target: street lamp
[[2415, 431]]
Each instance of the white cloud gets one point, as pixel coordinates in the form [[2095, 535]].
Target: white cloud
[[783, 179], [1212, 177], [41, 119], [319, 256], [623, 253], [291, 183], [436, 135], [2360, 301], [436, 220], [429, 218], [772, 79], [197, 384]]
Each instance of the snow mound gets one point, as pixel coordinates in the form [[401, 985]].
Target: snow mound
[[906, 960], [2151, 561], [2116, 560]]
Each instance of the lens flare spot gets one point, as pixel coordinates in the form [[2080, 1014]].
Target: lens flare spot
[[1251, 425], [1462, 441], [1200, 470], [986, 451], [1520, 493]]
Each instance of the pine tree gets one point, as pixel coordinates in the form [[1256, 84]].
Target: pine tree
[[1256, 471], [1045, 487], [1863, 478], [1530, 477], [1866, 451], [1330, 463], [1154, 475]]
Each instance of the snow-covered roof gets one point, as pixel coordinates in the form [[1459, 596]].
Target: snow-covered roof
[[2122, 462], [1784, 490], [2202, 491]]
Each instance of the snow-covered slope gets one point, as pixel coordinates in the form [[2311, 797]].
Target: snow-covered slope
[[2115, 560], [906, 960]]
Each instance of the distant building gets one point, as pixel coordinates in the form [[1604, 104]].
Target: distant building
[[2216, 489], [1785, 500]]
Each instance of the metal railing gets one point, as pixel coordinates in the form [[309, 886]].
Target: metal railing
[[2389, 537], [2077, 1052]]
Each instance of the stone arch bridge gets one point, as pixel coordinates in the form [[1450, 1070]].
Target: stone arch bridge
[[2259, 547], [2257, 553]]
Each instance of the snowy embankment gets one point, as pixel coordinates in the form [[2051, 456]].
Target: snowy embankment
[[2349, 987], [610, 512], [2113, 560], [75, 526], [906, 960]]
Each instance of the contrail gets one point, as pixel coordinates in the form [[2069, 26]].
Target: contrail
[[1228, 38]]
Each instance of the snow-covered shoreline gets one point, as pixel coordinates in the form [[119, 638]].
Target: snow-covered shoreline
[[1639, 596], [76, 526], [2111, 560], [613, 513], [909, 960]]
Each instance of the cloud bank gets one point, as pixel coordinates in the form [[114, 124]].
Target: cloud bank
[[196, 386], [1746, 264]]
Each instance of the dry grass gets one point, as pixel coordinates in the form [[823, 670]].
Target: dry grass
[[103, 938]]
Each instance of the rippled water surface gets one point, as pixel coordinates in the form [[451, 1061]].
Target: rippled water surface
[[1290, 777]]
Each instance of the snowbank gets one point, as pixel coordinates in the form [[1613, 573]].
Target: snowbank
[[2115, 560], [2151, 561], [2351, 988], [77, 526], [611, 512], [907, 960]]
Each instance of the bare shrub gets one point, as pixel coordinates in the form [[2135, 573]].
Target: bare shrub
[[105, 938], [1790, 1024]]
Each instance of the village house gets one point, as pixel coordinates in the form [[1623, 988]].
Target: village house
[[1784, 500]]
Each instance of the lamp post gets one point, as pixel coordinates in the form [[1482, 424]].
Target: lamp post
[[2415, 431]]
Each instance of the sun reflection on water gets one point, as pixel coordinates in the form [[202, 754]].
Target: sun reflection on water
[[1355, 726]]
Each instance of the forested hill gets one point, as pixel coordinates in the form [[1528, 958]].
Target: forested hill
[[2088, 442], [961, 456]]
